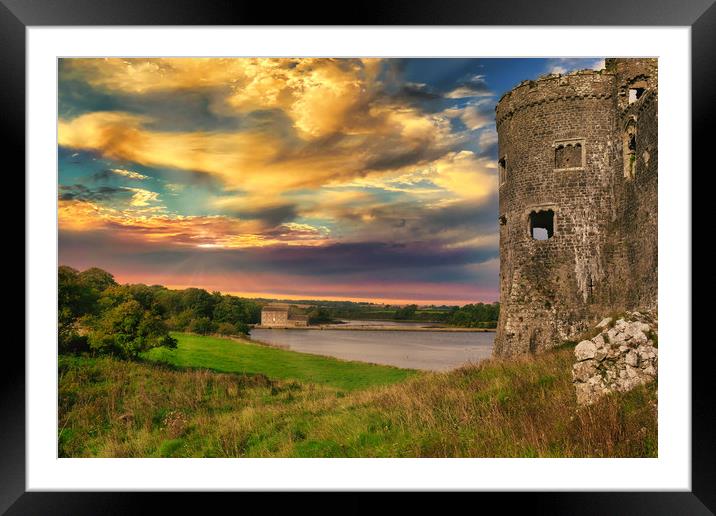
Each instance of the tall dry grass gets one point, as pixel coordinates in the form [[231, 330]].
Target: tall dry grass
[[500, 408]]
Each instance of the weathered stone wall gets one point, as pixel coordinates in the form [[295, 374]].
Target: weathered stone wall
[[602, 254], [633, 235]]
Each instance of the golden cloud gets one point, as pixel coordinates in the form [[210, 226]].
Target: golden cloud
[[466, 175], [197, 231], [257, 162], [320, 96], [348, 135], [142, 197]]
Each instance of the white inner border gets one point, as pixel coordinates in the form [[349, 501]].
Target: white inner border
[[670, 471]]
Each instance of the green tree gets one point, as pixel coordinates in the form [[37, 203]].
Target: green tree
[[478, 315], [406, 312], [96, 279], [74, 300], [319, 315], [229, 309], [198, 301], [127, 330], [169, 301]]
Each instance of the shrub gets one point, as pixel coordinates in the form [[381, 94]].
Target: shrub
[[201, 325], [319, 315], [225, 328], [243, 328], [73, 343], [180, 321]]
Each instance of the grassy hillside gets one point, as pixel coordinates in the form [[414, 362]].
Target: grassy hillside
[[231, 356], [515, 408]]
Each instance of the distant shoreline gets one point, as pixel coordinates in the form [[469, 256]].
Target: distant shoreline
[[339, 327]]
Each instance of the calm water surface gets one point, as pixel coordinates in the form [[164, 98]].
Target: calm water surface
[[434, 351]]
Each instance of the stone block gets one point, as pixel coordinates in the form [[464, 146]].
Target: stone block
[[585, 350]]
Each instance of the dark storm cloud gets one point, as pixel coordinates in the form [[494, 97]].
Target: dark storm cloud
[[417, 92], [82, 193], [451, 224], [102, 176], [271, 216], [398, 158], [477, 217], [368, 259]]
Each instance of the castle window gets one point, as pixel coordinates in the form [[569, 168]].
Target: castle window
[[502, 167], [569, 154], [542, 224], [635, 94], [636, 90]]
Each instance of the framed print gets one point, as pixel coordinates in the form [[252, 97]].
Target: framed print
[[431, 250]]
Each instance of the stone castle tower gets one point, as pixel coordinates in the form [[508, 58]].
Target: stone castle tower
[[578, 202]]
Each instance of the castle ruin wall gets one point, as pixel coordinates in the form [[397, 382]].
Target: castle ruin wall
[[561, 143]]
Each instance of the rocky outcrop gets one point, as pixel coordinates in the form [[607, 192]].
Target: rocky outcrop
[[622, 356]]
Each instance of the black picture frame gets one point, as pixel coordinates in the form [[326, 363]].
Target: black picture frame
[[17, 15]]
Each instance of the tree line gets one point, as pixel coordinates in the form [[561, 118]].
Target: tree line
[[97, 314], [477, 315]]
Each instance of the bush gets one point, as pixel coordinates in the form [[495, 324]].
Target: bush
[[73, 343], [201, 325], [243, 328], [225, 328], [319, 315], [180, 321]]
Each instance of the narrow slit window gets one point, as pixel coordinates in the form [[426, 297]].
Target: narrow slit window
[[629, 151], [502, 167], [542, 224]]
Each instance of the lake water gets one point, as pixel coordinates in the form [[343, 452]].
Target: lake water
[[433, 351]]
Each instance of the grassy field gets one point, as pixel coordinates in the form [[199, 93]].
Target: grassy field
[[501, 408], [230, 356]]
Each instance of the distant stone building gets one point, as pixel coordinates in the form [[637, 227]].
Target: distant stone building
[[297, 320], [274, 316], [280, 316], [577, 168]]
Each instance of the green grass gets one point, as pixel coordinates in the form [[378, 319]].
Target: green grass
[[521, 407], [231, 356]]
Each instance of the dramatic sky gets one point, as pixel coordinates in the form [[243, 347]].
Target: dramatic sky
[[362, 179]]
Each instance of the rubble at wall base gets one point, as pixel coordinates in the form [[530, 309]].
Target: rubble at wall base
[[621, 357]]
